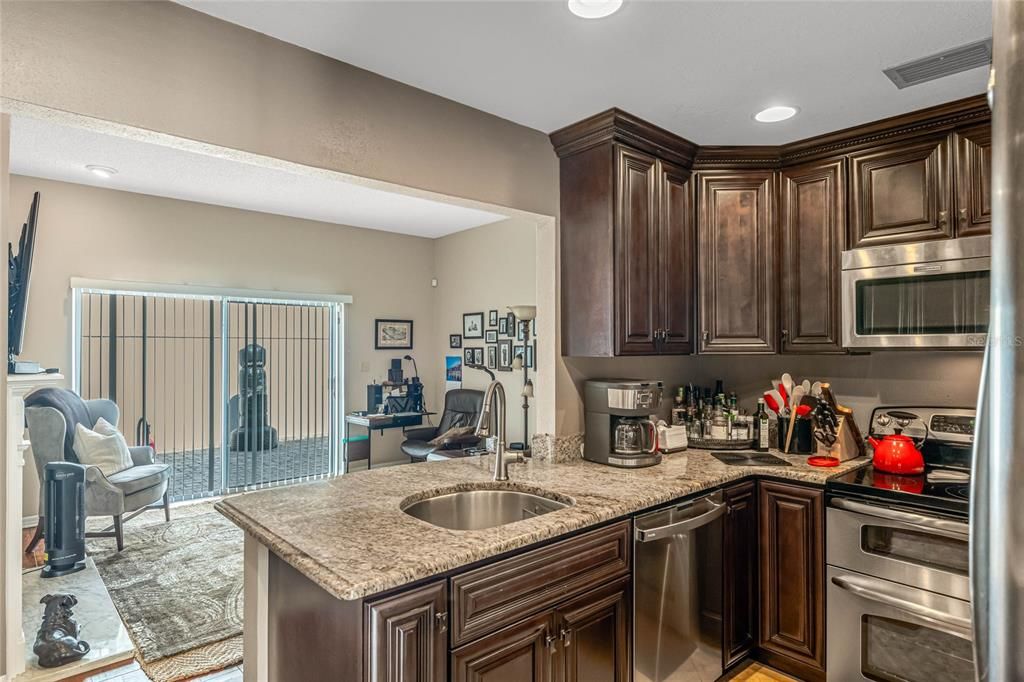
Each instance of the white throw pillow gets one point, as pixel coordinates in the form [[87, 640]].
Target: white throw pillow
[[103, 447]]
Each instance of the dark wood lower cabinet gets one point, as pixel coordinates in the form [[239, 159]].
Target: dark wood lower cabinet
[[739, 613], [524, 652], [406, 635], [792, 578], [593, 633], [562, 612]]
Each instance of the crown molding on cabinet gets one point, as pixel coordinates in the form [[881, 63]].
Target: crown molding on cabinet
[[616, 125], [620, 126]]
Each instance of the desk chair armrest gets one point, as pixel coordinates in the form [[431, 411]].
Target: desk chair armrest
[[142, 454], [460, 442], [421, 433]]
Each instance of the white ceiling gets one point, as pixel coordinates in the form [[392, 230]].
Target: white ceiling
[[700, 69], [46, 149]]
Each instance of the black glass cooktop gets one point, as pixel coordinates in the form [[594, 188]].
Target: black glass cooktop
[[932, 490]]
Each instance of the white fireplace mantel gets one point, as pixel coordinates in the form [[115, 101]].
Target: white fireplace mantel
[[11, 476]]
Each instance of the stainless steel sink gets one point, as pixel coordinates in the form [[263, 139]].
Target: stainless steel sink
[[478, 509]]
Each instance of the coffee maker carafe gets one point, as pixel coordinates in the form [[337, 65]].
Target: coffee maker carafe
[[619, 422], [635, 437]]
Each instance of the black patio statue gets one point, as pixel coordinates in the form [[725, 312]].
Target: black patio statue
[[254, 431], [57, 641]]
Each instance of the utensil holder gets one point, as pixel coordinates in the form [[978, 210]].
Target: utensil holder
[[803, 442]]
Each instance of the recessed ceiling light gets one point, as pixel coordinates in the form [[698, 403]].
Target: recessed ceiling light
[[775, 114], [105, 172], [594, 9]]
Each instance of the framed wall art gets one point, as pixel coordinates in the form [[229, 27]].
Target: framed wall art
[[472, 325], [392, 334]]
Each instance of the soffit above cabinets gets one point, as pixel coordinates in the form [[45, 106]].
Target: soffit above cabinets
[[45, 149]]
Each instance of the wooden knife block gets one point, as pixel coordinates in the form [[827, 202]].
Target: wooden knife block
[[846, 446]]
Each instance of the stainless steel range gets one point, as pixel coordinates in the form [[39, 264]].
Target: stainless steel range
[[898, 592]]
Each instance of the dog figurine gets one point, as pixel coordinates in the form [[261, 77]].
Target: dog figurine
[[57, 641]]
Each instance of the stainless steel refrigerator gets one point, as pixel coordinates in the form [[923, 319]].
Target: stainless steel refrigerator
[[997, 507]]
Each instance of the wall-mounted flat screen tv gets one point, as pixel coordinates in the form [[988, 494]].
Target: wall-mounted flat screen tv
[[19, 274]]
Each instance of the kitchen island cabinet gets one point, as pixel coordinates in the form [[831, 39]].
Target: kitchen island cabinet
[[340, 583]]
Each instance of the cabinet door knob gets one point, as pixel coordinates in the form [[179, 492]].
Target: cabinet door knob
[[705, 335], [566, 637], [442, 621], [963, 216], [943, 217], [785, 333], [550, 640]]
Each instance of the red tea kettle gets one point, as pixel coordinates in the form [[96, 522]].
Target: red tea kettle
[[897, 453]]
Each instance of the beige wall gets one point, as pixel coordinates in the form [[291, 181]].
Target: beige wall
[[98, 233], [163, 67], [489, 268]]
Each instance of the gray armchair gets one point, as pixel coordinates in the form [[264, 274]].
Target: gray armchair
[[131, 491]]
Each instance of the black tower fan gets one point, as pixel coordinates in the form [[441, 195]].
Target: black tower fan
[[64, 488]]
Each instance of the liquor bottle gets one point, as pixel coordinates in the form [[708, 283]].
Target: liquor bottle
[[761, 427], [719, 424]]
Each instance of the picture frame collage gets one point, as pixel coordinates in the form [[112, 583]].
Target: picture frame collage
[[498, 334]]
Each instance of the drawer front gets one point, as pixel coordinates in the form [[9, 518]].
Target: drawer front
[[493, 596]]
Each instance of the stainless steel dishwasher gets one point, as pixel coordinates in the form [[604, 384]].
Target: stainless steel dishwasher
[[677, 592]]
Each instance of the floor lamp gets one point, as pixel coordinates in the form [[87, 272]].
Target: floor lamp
[[525, 314]]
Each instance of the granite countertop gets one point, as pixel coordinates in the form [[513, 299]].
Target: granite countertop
[[349, 535]]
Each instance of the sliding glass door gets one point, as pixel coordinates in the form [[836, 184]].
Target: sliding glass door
[[232, 392]]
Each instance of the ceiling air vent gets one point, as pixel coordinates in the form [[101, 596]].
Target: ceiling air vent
[[940, 65]]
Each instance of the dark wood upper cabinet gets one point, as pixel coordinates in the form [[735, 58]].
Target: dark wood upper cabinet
[[812, 216], [792, 564], [973, 180], [627, 238], [901, 192], [671, 248], [636, 253], [676, 237], [593, 632], [406, 636], [739, 612], [736, 288]]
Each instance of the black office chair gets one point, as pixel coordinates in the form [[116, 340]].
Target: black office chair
[[462, 407]]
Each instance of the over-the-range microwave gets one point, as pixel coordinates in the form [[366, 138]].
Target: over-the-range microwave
[[923, 295]]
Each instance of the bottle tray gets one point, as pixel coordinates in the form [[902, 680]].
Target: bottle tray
[[717, 444]]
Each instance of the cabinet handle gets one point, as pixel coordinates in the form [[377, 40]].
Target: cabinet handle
[[566, 637], [442, 621], [963, 216], [550, 640], [706, 335], [943, 217], [785, 333]]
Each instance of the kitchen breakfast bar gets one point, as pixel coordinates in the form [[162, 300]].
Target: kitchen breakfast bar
[[326, 599]]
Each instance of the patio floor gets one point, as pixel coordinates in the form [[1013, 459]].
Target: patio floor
[[291, 460]]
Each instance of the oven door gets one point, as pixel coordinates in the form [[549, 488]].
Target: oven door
[[941, 304], [905, 547], [887, 632]]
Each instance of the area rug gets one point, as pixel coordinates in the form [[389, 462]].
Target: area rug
[[178, 589]]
